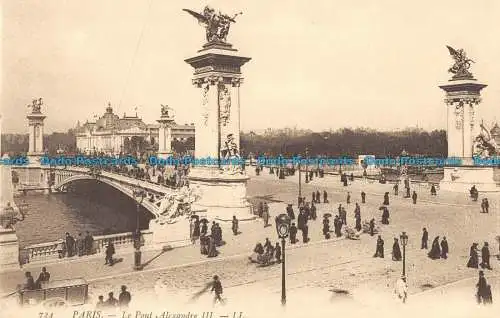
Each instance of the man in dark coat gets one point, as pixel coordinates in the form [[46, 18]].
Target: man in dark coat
[[313, 199], [217, 289], [358, 222], [485, 256], [425, 238], [444, 248], [111, 302], [386, 198], [44, 277], [124, 298], [433, 190], [318, 197], [301, 220], [234, 226], [70, 245], [372, 227], [30, 282], [337, 223], [396, 251], [305, 231], [473, 257], [482, 287], [379, 252], [313, 212], [325, 196], [293, 233], [289, 211], [110, 251], [89, 244], [277, 254], [414, 197], [326, 227], [343, 216], [80, 244], [261, 208], [385, 215], [348, 199], [396, 189], [363, 197]]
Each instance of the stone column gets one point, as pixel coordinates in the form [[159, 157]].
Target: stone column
[[235, 109]]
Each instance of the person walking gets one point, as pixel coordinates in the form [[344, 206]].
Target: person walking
[[485, 256], [379, 252], [43, 278], [293, 234], [234, 226], [217, 290], [277, 254], [363, 197], [414, 197], [396, 251], [435, 252], [325, 196], [372, 227], [401, 288], [425, 238], [482, 288], [110, 251], [265, 215], [444, 248], [473, 257], [348, 199], [396, 188]]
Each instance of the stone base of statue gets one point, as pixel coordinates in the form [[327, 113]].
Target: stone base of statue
[[461, 179], [9, 250], [175, 234], [222, 193]]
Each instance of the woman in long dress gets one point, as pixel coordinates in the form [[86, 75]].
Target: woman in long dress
[[435, 252], [212, 251], [473, 259], [196, 230], [396, 251]]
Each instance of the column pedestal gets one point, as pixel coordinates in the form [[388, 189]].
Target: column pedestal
[[9, 250], [461, 179]]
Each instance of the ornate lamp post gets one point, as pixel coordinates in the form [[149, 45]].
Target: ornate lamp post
[[139, 195], [404, 241], [283, 228]]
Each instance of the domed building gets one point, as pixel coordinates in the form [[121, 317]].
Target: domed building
[[127, 135]]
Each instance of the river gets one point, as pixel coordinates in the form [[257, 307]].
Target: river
[[93, 207]]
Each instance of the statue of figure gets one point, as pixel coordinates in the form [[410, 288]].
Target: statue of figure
[[36, 105], [462, 63], [176, 205], [224, 103], [216, 25], [230, 153], [164, 111], [484, 144]]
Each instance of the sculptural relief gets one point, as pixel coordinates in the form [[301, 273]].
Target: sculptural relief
[[484, 144], [459, 115], [36, 105], [230, 153], [462, 64], [216, 24], [224, 103], [204, 103]]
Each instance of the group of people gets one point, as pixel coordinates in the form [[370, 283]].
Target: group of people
[[483, 294], [266, 254], [76, 247], [32, 284], [474, 256], [209, 243], [122, 302], [263, 212], [438, 250]]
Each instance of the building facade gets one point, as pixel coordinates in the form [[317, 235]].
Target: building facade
[[111, 134]]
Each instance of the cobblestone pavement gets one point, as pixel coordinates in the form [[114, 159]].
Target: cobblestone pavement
[[319, 265]]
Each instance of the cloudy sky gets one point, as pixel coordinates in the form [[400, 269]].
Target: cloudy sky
[[315, 64]]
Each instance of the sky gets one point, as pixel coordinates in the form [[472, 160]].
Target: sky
[[315, 64]]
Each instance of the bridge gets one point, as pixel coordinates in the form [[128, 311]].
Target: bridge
[[59, 178]]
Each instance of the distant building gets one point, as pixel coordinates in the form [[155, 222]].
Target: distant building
[[114, 135]]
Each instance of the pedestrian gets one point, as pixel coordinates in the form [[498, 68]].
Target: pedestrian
[[473, 259], [363, 197], [358, 223], [261, 209], [196, 230], [379, 251], [267, 245], [293, 234], [402, 289], [348, 199], [111, 301], [70, 245], [485, 256], [265, 215], [313, 212], [444, 248], [100, 305], [43, 278], [289, 212], [425, 238], [433, 190], [80, 244], [385, 215], [325, 196], [204, 228], [318, 197], [217, 289], [277, 255], [326, 227], [212, 250], [372, 227], [110, 251], [305, 231], [407, 193], [386, 198], [337, 223], [396, 188], [343, 216], [486, 205], [30, 282], [482, 288], [124, 298], [234, 227], [488, 298], [435, 252], [396, 251], [313, 196], [414, 197], [89, 244]]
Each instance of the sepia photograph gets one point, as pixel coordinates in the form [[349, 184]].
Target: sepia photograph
[[249, 159]]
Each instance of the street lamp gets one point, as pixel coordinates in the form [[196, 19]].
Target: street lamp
[[404, 241], [283, 228], [307, 164], [139, 195]]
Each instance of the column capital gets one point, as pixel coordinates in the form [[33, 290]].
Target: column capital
[[236, 81]]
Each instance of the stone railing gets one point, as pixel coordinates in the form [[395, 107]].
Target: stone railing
[[52, 251]]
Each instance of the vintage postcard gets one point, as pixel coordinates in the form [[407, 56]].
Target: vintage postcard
[[249, 159]]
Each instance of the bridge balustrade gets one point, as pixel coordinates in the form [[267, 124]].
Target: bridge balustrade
[[54, 251]]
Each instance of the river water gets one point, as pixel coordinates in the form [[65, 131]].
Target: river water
[[93, 207]]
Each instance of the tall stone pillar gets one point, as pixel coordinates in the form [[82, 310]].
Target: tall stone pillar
[[222, 187], [165, 133], [35, 129], [463, 95]]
